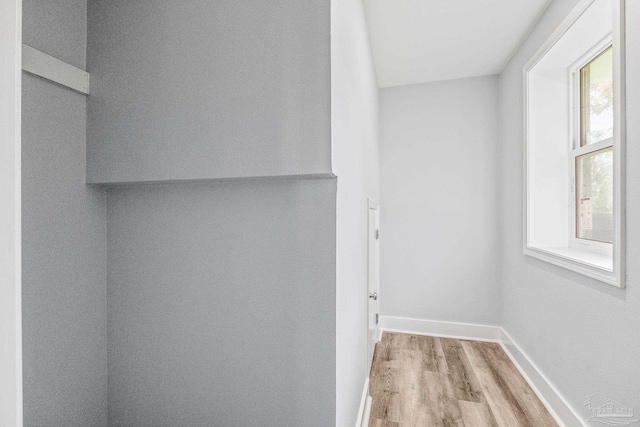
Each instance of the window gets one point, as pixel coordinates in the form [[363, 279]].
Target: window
[[594, 196], [596, 99], [592, 149], [575, 143]]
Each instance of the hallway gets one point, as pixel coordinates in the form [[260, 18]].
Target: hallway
[[430, 381], [186, 187]]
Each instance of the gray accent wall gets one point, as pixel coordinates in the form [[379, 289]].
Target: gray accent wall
[[210, 301], [584, 335], [64, 237], [204, 89], [57, 28], [221, 304]]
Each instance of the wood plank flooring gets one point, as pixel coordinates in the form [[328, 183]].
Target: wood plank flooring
[[419, 381]]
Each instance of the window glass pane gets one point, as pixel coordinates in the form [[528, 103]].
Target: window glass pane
[[594, 196], [596, 99]]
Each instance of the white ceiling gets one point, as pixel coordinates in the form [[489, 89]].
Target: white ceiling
[[416, 41]]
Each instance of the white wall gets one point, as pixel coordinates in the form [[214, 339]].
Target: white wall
[[10, 194], [439, 221], [581, 333], [354, 119]]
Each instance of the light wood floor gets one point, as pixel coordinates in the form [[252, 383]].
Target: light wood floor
[[429, 381]]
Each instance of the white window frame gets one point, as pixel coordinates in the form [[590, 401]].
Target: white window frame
[[575, 259], [575, 150]]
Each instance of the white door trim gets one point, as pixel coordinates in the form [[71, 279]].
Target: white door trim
[[365, 406], [372, 205], [10, 213]]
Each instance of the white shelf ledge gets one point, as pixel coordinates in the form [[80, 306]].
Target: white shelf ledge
[[50, 68]]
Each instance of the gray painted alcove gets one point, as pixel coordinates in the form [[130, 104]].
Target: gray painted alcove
[[207, 301]]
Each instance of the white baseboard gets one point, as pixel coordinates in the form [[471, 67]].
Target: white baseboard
[[434, 328], [367, 412], [365, 406], [562, 412], [559, 408]]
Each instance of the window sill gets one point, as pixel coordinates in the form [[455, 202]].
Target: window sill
[[589, 264]]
